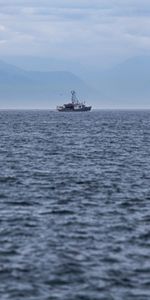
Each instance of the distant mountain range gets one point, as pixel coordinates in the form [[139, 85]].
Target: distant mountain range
[[22, 88], [125, 85]]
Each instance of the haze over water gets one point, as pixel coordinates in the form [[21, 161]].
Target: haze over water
[[74, 205]]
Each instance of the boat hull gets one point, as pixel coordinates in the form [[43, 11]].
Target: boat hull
[[63, 109]]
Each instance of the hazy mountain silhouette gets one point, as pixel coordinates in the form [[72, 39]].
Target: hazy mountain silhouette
[[125, 85], [37, 63], [34, 88], [10, 74]]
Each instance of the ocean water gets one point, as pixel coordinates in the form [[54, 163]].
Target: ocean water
[[75, 205]]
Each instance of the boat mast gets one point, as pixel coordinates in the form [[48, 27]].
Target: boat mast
[[73, 97]]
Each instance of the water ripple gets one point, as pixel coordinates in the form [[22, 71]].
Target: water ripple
[[74, 205]]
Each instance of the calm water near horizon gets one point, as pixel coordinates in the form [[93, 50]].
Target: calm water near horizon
[[74, 205]]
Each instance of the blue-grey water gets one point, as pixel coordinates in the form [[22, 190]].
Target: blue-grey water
[[74, 205]]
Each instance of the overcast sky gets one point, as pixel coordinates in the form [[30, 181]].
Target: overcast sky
[[91, 31]]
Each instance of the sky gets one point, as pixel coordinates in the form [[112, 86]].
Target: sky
[[97, 32]]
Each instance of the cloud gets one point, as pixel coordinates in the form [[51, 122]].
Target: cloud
[[89, 31], [2, 28]]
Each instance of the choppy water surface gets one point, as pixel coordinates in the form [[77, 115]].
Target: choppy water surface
[[74, 205]]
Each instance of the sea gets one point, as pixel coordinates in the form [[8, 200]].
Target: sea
[[74, 205]]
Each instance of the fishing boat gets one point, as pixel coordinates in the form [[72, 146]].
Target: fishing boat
[[74, 105]]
